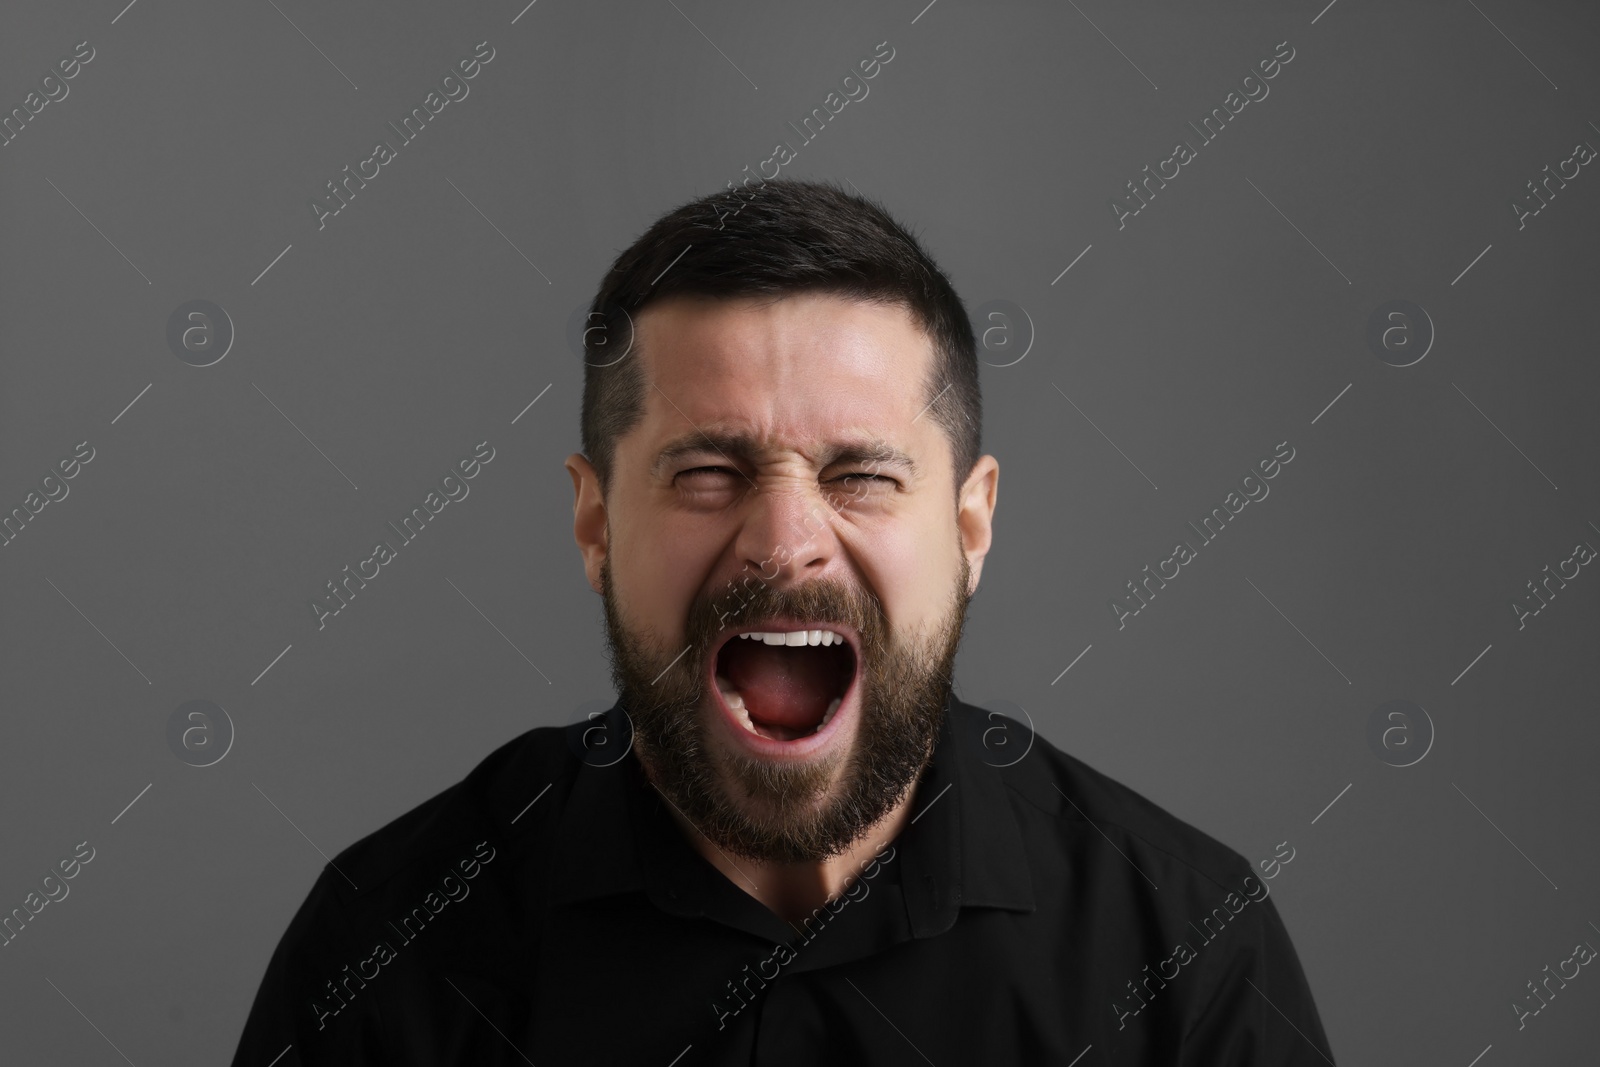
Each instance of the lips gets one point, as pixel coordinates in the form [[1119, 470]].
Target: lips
[[784, 688]]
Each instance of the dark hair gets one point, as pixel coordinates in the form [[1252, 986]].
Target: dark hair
[[788, 236]]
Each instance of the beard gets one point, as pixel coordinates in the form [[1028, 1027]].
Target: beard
[[786, 812]]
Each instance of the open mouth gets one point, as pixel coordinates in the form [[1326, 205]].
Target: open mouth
[[785, 683]]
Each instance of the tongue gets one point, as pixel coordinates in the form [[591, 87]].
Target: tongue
[[785, 685]]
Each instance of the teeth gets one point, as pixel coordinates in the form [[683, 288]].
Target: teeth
[[795, 638], [832, 707], [735, 701]]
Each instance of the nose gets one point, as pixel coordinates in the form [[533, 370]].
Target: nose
[[787, 534]]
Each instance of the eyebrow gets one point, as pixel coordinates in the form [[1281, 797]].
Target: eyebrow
[[745, 446]]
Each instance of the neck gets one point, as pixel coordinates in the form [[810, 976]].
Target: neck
[[793, 891]]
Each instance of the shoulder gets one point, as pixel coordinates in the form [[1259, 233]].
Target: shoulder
[[470, 819], [1059, 798]]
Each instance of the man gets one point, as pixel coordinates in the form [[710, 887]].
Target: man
[[787, 843]]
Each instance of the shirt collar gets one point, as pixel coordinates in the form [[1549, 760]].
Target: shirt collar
[[962, 847]]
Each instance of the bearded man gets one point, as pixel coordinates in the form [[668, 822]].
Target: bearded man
[[787, 842]]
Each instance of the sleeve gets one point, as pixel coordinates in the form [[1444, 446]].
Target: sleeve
[[1260, 1012], [308, 1011]]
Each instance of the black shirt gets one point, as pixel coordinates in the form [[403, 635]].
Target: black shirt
[[548, 910]]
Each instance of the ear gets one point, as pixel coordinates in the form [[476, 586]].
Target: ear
[[975, 514], [588, 516]]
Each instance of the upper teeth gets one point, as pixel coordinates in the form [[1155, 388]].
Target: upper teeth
[[797, 637]]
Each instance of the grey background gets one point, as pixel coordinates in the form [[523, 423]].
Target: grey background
[[1212, 327]]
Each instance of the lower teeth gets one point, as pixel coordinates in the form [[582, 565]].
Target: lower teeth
[[735, 701]]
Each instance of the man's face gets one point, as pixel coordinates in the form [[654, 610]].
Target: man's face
[[786, 476]]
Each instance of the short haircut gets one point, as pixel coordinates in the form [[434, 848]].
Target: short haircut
[[787, 236]]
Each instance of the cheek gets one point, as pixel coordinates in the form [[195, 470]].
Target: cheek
[[660, 563], [910, 562]]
